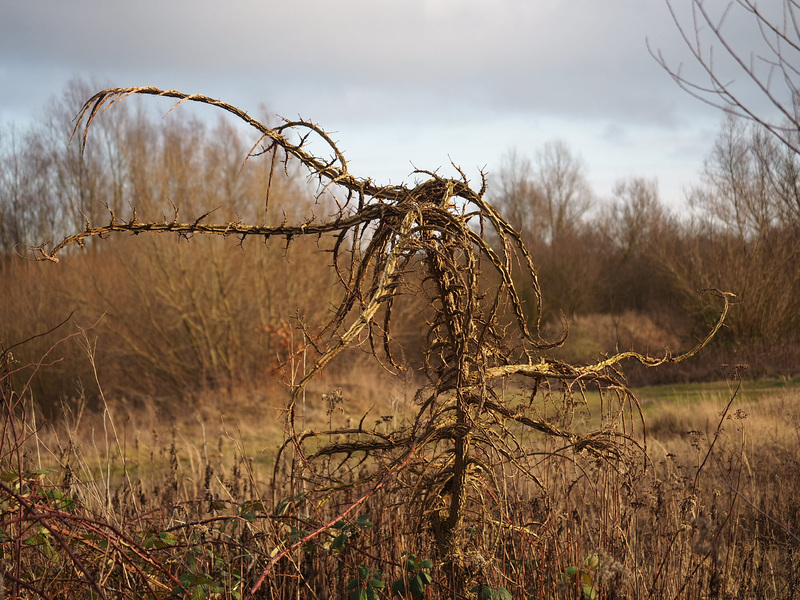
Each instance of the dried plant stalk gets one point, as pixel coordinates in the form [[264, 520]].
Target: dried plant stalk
[[481, 335]]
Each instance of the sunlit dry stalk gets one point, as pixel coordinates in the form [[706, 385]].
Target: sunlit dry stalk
[[480, 335]]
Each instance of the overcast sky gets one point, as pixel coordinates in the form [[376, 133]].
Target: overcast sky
[[398, 82]]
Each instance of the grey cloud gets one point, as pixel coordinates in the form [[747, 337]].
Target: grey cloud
[[359, 66], [569, 54]]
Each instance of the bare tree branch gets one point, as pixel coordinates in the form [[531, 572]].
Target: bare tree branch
[[731, 74]]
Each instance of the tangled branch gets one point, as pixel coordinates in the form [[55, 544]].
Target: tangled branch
[[480, 332]]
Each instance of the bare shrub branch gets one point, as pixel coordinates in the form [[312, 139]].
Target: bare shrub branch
[[731, 74], [481, 340]]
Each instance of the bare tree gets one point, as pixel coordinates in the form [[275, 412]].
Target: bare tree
[[561, 177], [634, 225], [761, 83], [518, 195], [749, 240], [545, 199], [636, 214], [740, 181]]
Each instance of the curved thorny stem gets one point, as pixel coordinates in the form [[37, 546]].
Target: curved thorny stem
[[480, 332]]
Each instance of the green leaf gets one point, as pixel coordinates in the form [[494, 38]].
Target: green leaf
[[399, 588], [426, 578], [503, 593], [198, 593], [9, 476], [484, 592], [364, 522], [282, 506], [589, 592], [353, 583], [416, 588], [426, 564], [338, 541], [167, 537], [204, 579], [376, 583], [571, 571]]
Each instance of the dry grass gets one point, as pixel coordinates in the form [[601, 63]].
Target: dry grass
[[196, 506]]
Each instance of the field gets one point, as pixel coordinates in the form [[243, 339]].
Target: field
[[316, 386], [194, 505]]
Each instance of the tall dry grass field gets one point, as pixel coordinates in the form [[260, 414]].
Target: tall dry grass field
[[120, 504]]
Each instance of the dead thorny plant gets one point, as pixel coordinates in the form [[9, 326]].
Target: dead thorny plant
[[481, 336]]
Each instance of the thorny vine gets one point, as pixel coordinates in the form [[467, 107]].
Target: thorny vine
[[481, 335]]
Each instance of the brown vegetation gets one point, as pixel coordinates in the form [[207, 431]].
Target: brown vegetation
[[190, 509], [508, 469]]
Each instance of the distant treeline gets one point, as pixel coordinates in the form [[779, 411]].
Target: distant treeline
[[157, 315], [632, 262]]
